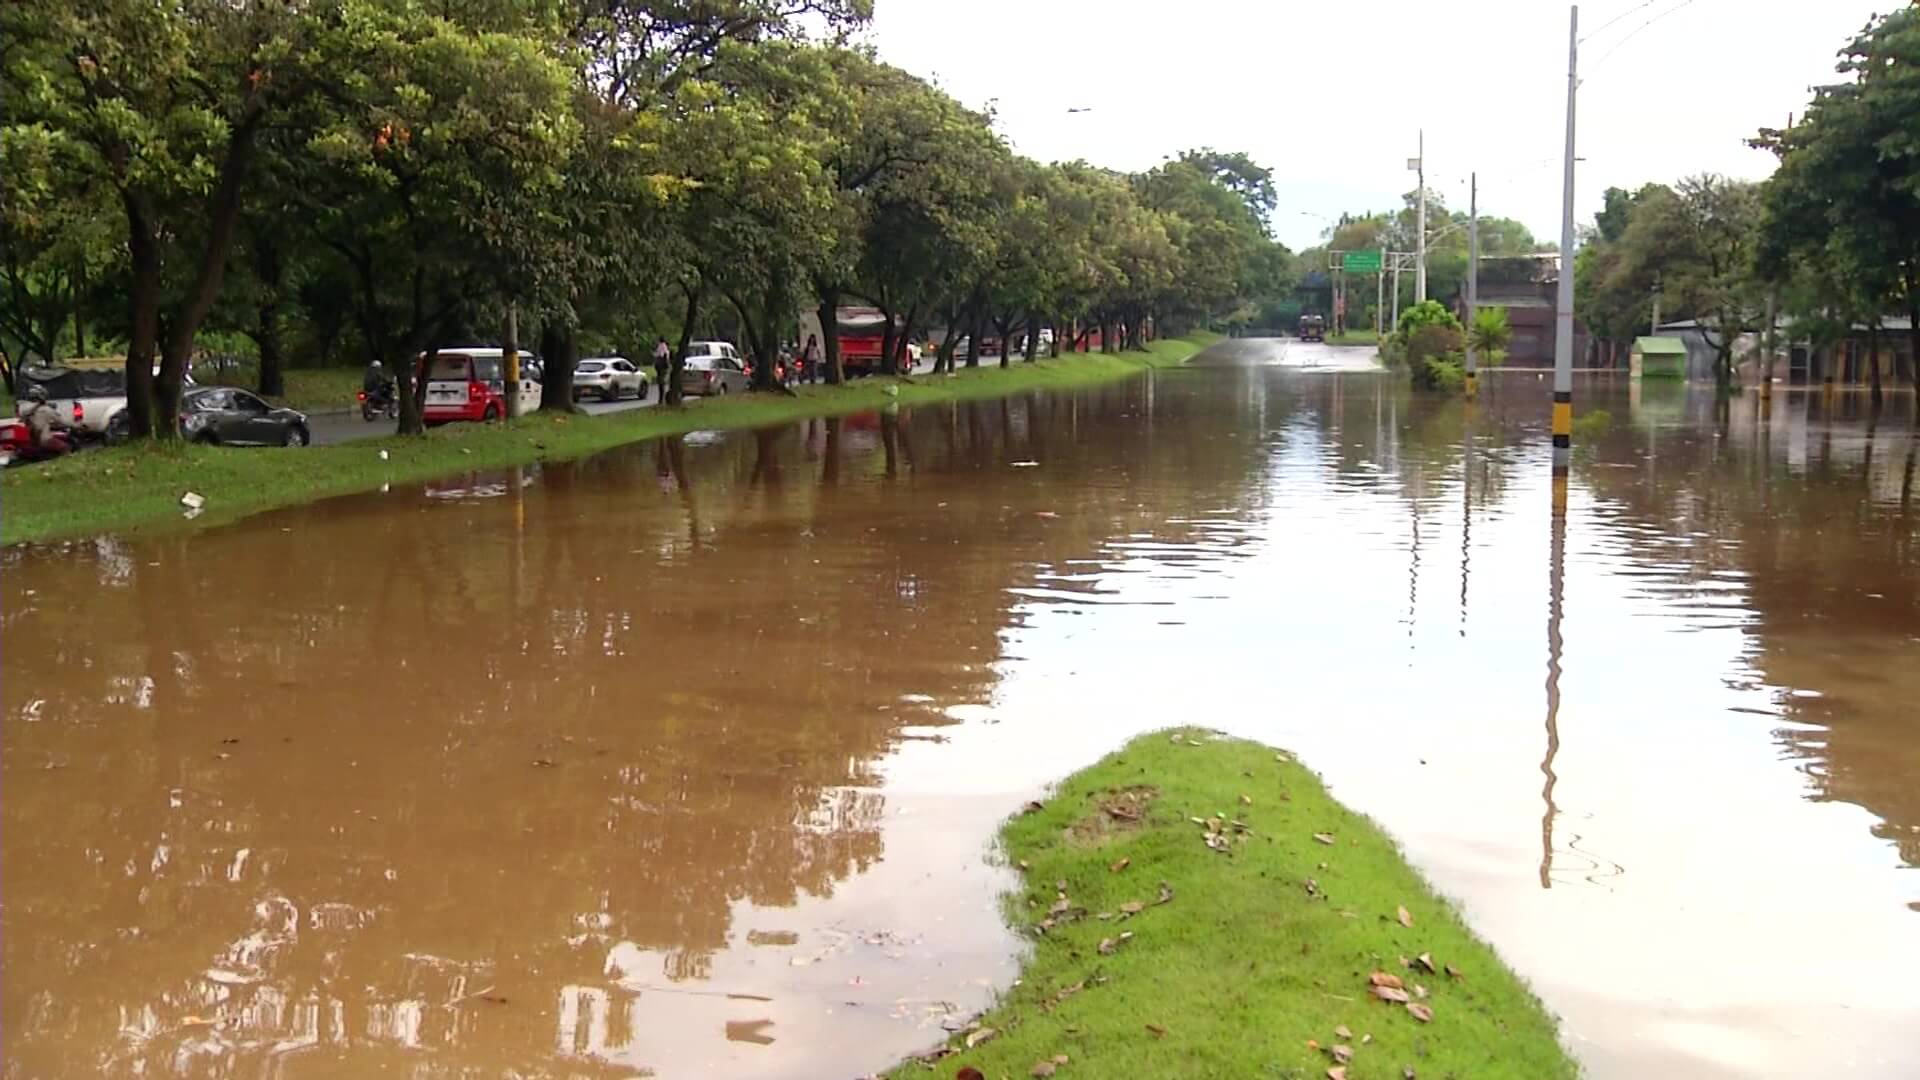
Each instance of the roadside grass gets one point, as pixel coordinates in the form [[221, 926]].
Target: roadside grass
[[317, 389], [1354, 337], [141, 485], [1259, 964]]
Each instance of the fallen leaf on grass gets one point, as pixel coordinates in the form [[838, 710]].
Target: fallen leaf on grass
[[1420, 1012], [1388, 993], [969, 1073], [1158, 1031], [1341, 1053], [1425, 960], [1313, 887], [1382, 978], [1246, 800], [1419, 991], [1106, 946], [1060, 906], [1119, 866], [1343, 1031], [1033, 808], [1455, 972], [1406, 917], [1131, 908], [1166, 893], [1325, 838], [1338, 1072], [1043, 1068], [975, 1038]]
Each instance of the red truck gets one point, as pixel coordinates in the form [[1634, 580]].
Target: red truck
[[862, 338]]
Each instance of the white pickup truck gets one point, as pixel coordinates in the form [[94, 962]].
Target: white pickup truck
[[93, 399]]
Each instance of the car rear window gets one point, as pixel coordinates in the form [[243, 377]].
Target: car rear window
[[450, 366], [590, 366]]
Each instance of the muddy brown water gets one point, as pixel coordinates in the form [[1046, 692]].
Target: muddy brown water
[[685, 759]]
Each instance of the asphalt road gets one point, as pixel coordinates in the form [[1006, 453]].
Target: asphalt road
[[1289, 353]]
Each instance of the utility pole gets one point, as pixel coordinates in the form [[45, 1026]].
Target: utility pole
[[1766, 361], [1473, 278], [1655, 328], [1563, 304], [1420, 225], [511, 350], [1379, 303]]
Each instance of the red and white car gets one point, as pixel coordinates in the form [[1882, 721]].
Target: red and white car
[[470, 383]]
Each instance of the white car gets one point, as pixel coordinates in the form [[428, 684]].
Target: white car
[[608, 378], [94, 398]]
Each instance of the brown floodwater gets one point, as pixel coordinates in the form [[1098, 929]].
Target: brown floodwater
[[686, 759]]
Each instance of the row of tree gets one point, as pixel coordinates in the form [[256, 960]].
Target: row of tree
[[373, 178], [1831, 241]]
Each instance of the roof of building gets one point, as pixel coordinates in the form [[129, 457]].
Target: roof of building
[[1887, 324], [1660, 346]]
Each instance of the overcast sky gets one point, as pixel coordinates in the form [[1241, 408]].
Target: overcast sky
[[1485, 78]]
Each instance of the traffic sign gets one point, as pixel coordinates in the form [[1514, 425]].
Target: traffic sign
[[1361, 262]]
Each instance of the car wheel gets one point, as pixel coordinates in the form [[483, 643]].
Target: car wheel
[[205, 438], [118, 428], [723, 389], [295, 436], [491, 414], [610, 395]]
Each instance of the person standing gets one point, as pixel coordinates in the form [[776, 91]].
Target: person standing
[[810, 359], [662, 366]]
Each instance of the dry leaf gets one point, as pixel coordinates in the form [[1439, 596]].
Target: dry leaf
[[1419, 991], [969, 1073], [1388, 993], [1455, 972], [1107, 945], [1166, 893], [1343, 1031], [1420, 1012], [1313, 1044], [1246, 800], [1406, 918], [1060, 1059], [1341, 1053], [1034, 808], [1131, 908], [1426, 961], [975, 1038], [1044, 1068], [1158, 1031], [1313, 887], [1119, 866], [1338, 1072], [1060, 906], [1325, 838], [1382, 978]]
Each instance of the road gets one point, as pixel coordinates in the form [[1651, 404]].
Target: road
[[1287, 352]]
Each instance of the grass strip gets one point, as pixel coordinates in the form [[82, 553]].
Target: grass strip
[[1199, 906], [140, 485], [1354, 337]]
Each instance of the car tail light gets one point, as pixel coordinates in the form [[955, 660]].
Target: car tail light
[[79, 412], [362, 395], [476, 391]]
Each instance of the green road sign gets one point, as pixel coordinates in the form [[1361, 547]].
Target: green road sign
[[1361, 262]]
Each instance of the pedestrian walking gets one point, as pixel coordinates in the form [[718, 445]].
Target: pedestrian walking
[[662, 366], [810, 359]]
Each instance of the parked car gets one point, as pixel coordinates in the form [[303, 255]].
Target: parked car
[[608, 377], [713, 373], [470, 383], [229, 416]]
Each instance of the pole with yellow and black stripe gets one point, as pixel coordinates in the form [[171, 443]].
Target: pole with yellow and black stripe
[[1563, 305]]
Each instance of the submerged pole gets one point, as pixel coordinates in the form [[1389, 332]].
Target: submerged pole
[[1563, 314]]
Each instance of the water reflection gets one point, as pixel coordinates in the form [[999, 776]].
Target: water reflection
[[685, 757]]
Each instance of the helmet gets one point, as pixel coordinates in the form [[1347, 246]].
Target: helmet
[[36, 393]]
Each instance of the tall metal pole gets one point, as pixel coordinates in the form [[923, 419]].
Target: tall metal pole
[[511, 348], [1473, 278], [1563, 305], [1420, 227], [1379, 303]]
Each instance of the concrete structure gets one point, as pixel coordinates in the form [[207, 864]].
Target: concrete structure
[[1796, 362], [1526, 286]]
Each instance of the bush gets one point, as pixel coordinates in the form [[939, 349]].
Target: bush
[[1490, 334], [1424, 314]]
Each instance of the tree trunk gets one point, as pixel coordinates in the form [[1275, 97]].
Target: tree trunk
[[907, 328], [559, 352], [943, 354], [1875, 393], [678, 363], [273, 381], [889, 362], [830, 335], [79, 320], [1033, 336], [143, 297], [976, 323]]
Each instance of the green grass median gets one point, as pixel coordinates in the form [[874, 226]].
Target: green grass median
[[1199, 906], [141, 485]]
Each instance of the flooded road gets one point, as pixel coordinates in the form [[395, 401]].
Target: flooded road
[[685, 760]]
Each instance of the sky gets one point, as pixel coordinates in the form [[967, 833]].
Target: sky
[[1333, 97]]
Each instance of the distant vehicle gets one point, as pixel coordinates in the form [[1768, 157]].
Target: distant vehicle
[[1313, 328], [608, 377], [470, 383], [863, 339], [229, 416], [718, 371]]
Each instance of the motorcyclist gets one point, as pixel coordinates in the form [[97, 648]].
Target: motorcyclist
[[46, 425], [377, 384]]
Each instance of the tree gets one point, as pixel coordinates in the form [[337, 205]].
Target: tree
[[1847, 194], [1699, 240]]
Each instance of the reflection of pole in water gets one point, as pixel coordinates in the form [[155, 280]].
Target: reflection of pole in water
[[1556, 586], [1466, 517], [1413, 572]]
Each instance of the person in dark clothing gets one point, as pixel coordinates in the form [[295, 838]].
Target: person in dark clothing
[[662, 365]]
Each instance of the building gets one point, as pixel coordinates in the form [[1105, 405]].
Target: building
[[1527, 286], [1798, 363], [1659, 358]]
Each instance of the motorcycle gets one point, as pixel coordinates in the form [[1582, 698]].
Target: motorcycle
[[380, 403]]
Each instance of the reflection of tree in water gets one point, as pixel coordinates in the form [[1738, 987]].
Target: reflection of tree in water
[[1806, 515], [479, 737]]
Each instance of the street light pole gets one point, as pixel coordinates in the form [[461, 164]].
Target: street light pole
[[1473, 278], [1420, 226], [1563, 314]]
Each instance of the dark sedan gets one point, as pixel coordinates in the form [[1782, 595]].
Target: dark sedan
[[228, 416]]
